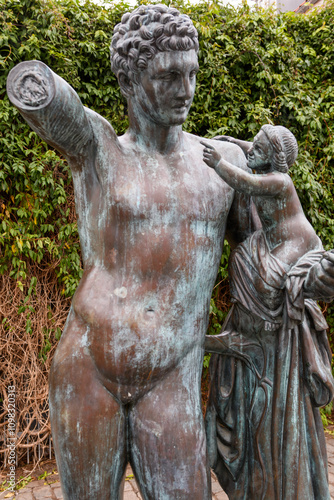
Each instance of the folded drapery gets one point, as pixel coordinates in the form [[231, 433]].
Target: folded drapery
[[270, 373]]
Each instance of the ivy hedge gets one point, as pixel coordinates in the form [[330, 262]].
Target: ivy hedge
[[255, 67]]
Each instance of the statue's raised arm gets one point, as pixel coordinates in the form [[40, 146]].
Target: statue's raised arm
[[51, 107]]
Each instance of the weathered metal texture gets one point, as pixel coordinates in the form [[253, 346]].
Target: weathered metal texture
[[152, 217], [271, 370], [125, 379]]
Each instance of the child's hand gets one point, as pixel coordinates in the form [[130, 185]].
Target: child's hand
[[210, 155], [225, 138]]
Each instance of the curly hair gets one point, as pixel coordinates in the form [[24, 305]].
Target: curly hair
[[284, 144], [144, 32]]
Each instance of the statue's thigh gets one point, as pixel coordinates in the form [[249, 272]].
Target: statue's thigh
[[88, 425], [167, 439]]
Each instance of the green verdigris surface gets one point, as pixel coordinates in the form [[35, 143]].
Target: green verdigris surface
[[255, 67], [151, 218], [21, 285], [274, 368]]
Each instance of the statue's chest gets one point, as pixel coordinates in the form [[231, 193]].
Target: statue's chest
[[166, 193]]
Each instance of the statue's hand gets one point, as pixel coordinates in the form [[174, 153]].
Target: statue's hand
[[226, 138], [210, 155], [319, 284], [244, 145]]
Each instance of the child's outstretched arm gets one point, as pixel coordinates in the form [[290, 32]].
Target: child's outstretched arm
[[244, 145], [271, 184]]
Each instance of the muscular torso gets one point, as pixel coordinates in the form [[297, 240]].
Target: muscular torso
[[151, 229]]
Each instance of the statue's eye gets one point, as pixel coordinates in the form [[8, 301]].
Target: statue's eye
[[168, 76]]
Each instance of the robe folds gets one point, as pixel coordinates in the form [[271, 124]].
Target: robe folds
[[270, 374]]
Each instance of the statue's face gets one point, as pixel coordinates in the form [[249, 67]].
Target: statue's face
[[166, 88], [260, 155]]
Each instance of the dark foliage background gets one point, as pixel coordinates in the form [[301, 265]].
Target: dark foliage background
[[256, 67]]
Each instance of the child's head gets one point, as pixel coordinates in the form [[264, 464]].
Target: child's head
[[284, 146]]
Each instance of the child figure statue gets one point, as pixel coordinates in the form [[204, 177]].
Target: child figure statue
[[288, 233], [272, 367]]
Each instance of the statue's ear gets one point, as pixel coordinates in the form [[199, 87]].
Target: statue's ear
[[126, 84]]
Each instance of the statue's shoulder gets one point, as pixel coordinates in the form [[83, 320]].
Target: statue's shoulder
[[102, 129], [229, 151]]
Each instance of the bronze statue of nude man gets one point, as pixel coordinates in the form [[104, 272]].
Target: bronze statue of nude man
[[152, 217]]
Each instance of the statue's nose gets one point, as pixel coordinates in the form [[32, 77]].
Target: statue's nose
[[185, 88], [250, 151]]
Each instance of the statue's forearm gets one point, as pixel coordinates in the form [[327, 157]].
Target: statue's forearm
[[238, 179], [242, 181], [50, 106], [244, 145]]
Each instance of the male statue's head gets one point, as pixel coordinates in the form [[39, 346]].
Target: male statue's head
[[153, 53]]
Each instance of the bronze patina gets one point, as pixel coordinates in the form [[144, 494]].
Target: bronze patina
[[265, 434], [152, 218]]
